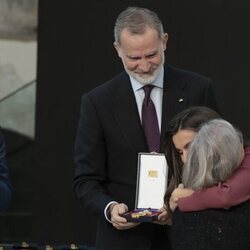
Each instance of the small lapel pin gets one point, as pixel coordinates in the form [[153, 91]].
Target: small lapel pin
[[180, 100]]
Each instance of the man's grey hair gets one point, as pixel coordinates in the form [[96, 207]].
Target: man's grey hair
[[213, 155], [136, 20]]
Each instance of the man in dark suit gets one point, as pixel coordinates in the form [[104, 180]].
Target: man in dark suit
[[110, 133]]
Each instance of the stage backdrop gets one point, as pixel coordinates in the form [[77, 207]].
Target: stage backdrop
[[75, 54]]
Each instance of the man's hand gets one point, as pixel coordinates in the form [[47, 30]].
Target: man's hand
[[179, 192], [119, 222]]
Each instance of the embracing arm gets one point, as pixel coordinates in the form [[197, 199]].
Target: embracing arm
[[226, 194]]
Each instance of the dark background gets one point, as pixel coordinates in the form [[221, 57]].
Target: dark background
[[75, 54]]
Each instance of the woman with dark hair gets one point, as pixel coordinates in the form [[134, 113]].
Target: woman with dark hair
[[214, 154], [179, 134], [211, 228]]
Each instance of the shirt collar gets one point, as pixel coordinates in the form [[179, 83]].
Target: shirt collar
[[158, 81]]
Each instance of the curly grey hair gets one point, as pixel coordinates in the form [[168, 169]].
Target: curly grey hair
[[213, 155]]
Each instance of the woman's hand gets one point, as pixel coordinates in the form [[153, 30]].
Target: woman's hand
[[179, 192], [163, 218]]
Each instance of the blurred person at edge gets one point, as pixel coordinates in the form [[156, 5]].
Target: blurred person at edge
[[5, 185]]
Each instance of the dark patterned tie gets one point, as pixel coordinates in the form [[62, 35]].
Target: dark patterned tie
[[150, 122]]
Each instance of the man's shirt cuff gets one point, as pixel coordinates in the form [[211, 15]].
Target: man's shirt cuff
[[107, 212]]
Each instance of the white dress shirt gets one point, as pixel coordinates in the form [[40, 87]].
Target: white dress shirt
[[156, 96]]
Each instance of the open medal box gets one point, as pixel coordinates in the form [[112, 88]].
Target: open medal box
[[151, 185]]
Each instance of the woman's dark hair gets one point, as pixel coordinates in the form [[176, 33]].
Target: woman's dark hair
[[191, 118]]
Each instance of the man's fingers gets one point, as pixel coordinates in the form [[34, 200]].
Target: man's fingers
[[116, 211]]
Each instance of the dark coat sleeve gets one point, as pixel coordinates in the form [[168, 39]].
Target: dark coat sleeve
[[90, 158]]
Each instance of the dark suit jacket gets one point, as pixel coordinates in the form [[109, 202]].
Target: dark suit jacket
[[108, 140]]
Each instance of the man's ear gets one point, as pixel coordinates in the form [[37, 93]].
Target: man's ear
[[118, 49], [165, 40]]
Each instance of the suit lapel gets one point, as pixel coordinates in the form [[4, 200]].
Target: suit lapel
[[126, 113]]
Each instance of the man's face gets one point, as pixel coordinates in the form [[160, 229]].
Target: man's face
[[142, 54]]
